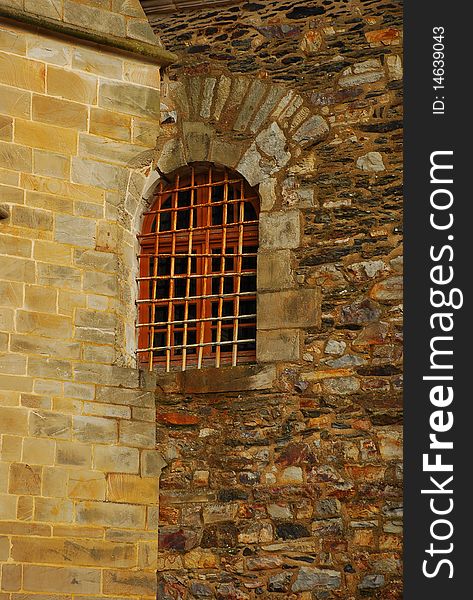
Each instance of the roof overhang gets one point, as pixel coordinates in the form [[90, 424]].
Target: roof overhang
[[154, 7]]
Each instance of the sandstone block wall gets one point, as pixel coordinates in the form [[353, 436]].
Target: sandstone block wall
[[78, 470]]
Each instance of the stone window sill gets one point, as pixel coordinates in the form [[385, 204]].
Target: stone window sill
[[211, 380]]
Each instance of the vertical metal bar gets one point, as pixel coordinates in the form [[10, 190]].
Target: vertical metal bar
[[207, 260], [222, 269], [170, 328], [154, 285], [189, 271], [239, 260]]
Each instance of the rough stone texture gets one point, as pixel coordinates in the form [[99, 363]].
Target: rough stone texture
[[277, 480], [78, 487], [305, 99]]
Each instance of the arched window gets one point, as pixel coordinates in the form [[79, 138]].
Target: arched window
[[197, 283]]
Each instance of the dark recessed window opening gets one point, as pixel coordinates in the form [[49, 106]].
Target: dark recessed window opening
[[197, 283]]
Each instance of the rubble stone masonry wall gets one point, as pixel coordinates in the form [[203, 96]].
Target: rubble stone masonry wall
[[294, 489]]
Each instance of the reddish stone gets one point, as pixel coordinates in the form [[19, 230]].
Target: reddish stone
[[385, 36], [177, 419]]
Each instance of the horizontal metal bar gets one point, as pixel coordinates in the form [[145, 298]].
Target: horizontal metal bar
[[202, 255], [236, 342], [198, 276], [227, 318], [194, 229], [188, 298], [201, 205]]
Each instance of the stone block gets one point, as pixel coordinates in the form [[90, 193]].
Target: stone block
[[40, 299], [197, 138], [15, 102], [225, 152], [52, 252], [282, 344], [139, 29], [46, 137], [64, 189], [7, 507], [313, 130], [97, 62], [117, 459], [32, 218], [371, 162], [114, 395], [15, 246], [72, 85], [110, 124], [61, 579], [51, 202], [49, 368], [110, 514], [54, 481], [49, 51], [21, 73], [172, 156], [11, 577], [310, 578], [59, 276], [138, 434], [59, 112], [97, 174], [274, 270], [130, 99], [74, 230], [38, 451], [49, 424], [73, 454], [141, 74], [53, 326], [107, 150], [289, 309], [152, 464], [145, 132], [13, 420], [12, 41], [25, 479], [103, 21], [11, 293], [255, 94], [51, 164], [53, 510], [11, 448], [95, 429], [15, 157], [129, 582], [16, 383], [198, 381], [86, 485], [6, 129], [100, 283], [132, 489], [279, 230]]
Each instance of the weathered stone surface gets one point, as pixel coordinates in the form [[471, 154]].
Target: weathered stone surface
[[129, 99], [282, 344], [309, 578], [289, 309], [119, 460], [388, 289], [280, 230], [372, 162]]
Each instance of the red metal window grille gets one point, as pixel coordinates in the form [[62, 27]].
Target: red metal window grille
[[197, 283]]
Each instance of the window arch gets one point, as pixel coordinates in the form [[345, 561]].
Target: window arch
[[197, 283]]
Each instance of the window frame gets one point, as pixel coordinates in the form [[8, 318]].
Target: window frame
[[202, 234]]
